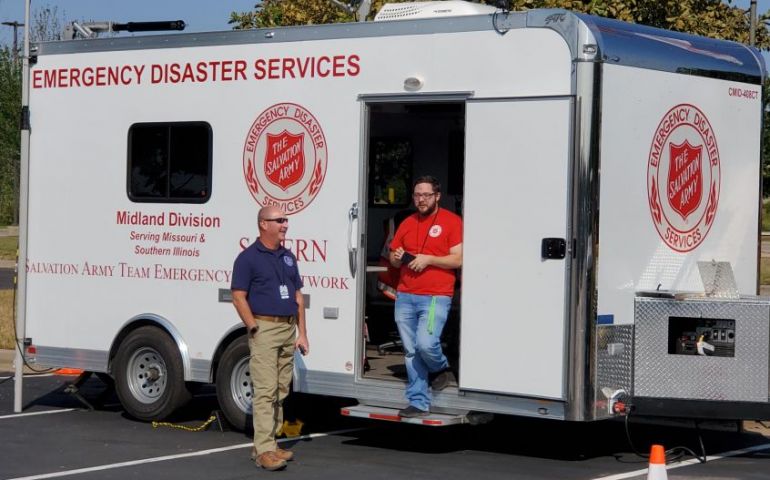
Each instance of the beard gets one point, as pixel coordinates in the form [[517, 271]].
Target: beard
[[429, 211]]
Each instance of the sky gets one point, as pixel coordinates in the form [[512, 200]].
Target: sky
[[199, 15]]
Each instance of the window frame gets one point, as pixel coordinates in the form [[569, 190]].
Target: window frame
[[168, 198]]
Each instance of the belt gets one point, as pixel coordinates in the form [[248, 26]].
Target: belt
[[275, 318]]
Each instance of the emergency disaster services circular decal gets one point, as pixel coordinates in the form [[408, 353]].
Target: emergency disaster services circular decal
[[683, 177], [284, 157]]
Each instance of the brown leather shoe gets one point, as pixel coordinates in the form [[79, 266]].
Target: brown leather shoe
[[269, 461], [286, 455]]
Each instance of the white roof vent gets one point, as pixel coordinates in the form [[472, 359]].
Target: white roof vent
[[415, 10]]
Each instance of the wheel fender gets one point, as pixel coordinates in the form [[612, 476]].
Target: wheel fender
[[165, 324], [225, 340]]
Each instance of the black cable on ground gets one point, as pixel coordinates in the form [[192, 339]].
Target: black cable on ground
[[673, 454]]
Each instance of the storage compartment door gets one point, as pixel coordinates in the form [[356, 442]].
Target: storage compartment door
[[512, 337]]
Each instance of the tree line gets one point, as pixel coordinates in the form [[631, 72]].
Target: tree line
[[45, 24], [710, 18]]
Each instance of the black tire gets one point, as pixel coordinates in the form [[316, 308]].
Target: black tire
[[234, 391], [149, 376]]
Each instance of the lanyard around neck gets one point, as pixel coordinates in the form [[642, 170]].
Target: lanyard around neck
[[427, 232]]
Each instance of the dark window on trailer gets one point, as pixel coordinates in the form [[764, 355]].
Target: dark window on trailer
[[169, 162]]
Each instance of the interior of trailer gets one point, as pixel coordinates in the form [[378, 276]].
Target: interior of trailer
[[405, 141]]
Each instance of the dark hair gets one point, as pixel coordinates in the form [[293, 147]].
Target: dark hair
[[428, 179]]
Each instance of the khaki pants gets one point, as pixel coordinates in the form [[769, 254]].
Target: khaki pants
[[271, 367]]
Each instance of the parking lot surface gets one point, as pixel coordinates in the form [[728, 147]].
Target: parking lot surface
[[57, 437]]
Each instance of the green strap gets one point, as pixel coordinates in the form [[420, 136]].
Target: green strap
[[432, 316]]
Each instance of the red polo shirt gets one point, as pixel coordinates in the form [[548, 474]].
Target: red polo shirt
[[433, 235]]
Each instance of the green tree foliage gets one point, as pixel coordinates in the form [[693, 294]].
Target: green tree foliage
[[710, 18], [272, 13], [10, 105], [45, 25]]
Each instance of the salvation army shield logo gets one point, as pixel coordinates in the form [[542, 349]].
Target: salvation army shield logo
[[683, 177], [686, 190], [285, 157]]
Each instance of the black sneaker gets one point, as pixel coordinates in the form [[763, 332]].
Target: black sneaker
[[412, 412], [441, 380]]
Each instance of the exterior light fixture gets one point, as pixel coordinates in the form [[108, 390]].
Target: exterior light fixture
[[412, 84]]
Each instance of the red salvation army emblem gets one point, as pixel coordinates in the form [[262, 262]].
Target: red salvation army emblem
[[686, 190], [285, 157], [683, 177]]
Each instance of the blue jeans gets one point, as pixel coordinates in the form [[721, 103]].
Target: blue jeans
[[422, 347]]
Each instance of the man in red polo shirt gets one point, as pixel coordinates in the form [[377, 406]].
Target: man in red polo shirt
[[427, 248]]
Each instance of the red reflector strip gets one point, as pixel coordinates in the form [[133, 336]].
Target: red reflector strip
[[382, 416], [32, 349], [432, 422]]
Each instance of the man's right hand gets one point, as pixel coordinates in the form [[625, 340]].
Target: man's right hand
[[395, 256]]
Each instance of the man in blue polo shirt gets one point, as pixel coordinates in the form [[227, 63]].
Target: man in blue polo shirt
[[266, 294]]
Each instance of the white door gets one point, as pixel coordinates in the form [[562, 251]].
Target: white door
[[517, 171]]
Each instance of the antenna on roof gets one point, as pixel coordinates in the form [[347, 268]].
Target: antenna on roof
[[92, 29]]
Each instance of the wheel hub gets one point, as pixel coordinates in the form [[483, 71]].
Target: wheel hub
[[146, 374], [240, 385]]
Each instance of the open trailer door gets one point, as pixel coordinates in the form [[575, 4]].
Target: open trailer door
[[517, 185]]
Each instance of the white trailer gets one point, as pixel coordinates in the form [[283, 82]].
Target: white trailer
[[592, 161]]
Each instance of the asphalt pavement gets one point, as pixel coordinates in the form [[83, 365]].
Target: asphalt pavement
[[57, 436], [7, 273]]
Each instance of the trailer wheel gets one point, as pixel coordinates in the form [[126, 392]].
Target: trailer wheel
[[234, 384], [149, 377]]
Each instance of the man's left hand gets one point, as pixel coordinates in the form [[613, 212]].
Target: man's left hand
[[420, 262], [302, 345]]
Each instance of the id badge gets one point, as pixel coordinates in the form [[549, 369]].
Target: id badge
[[284, 291]]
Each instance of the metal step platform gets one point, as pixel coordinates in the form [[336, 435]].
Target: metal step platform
[[391, 415]]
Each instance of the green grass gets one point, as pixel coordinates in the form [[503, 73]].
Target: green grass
[[764, 271], [766, 215], [8, 247], [6, 320]]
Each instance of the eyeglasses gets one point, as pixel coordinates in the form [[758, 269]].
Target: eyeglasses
[[426, 196], [276, 220]]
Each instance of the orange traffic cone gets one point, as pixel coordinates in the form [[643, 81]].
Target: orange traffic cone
[[657, 468]]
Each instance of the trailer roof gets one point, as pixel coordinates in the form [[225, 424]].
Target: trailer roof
[[615, 42], [647, 47]]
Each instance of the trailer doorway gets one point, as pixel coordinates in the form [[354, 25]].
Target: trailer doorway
[[405, 141]]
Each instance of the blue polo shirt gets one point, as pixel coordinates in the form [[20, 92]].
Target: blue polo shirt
[[261, 272]]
